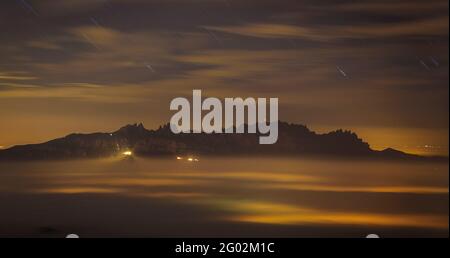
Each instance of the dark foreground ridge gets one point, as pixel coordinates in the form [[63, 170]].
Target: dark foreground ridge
[[293, 140]]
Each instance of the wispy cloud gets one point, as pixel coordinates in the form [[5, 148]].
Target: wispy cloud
[[427, 27], [16, 76], [43, 44]]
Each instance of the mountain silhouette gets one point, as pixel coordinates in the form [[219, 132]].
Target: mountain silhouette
[[293, 140]]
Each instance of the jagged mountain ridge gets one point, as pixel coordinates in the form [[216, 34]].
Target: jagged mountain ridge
[[293, 139]]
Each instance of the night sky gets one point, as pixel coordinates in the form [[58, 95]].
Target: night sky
[[379, 68]]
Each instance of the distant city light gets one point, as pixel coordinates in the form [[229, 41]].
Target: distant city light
[[190, 159], [128, 153]]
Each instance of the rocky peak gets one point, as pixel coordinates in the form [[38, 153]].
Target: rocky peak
[[132, 129]]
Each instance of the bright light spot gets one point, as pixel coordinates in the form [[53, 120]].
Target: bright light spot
[[190, 159], [72, 236], [128, 153], [179, 158], [196, 160]]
